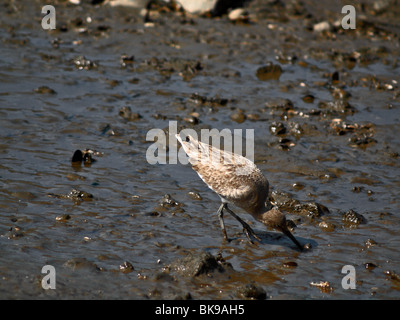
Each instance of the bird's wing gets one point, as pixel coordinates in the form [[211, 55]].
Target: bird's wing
[[228, 174]]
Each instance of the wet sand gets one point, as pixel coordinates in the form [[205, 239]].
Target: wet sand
[[324, 106]]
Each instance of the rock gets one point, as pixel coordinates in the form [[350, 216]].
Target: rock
[[192, 120], [63, 217], [45, 90], [311, 209], [370, 265], [308, 98], [14, 233], [74, 194], [252, 291], [326, 226], [352, 219], [322, 26], [77, 157], [277, 128], [283, 200], [82, 63], [127, 114], [308, 209], [168, 202], [290, 264], [84, 155], [324, 286], [269, 72], [370, 243], [214, 101], [194, 195], [361, 141], [238, 116], [126, 60], [392, 275], [126, 267], [194, 265], [280, 104]]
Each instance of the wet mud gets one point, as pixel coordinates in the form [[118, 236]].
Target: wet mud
[[76, 190]]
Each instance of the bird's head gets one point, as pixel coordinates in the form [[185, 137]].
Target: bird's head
[[274, 218]]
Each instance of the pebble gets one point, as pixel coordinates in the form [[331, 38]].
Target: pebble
[[322, 26], [127, 114], [238, 117], [290, 264], [326, 226], [194, 195], [277, 128], [126, 267], [252, 291], [269, 72], [352, 218], [82, 63], [370, 266], [63, 217], [45, 90], [324, 286], [309, 98], [370, 243]]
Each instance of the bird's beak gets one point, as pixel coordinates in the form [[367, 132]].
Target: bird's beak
[[286, 231]]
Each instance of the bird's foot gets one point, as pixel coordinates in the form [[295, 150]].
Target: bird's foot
[[248, 231]]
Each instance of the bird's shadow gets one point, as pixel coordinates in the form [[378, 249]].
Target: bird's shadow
[[275, 238]]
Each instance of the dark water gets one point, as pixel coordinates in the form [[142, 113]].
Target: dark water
[[50, 107]]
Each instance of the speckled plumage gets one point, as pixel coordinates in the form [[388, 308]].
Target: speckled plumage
[[236, 180], [233, 177]]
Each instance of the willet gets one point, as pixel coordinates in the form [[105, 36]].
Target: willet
[[236, 180]]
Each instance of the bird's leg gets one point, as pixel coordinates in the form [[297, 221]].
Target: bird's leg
[[220, 213], [246, 228]]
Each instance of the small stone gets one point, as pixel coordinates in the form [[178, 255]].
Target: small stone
[[269, 72], [45, 90], [309, 98], [82, 62], [63, 217], [298, 186], [290, 264], [353, 218], [370, 266], [127, 114], [194, 195], [322, 26], [370, 243], [251, 291], [239, 117], [192, 120], [277, 128], [126, 267], [324, 286], [326, 226]]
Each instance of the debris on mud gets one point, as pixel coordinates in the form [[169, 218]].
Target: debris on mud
[[194, 265]]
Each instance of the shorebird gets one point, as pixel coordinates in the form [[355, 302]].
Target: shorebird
[[238, 181]]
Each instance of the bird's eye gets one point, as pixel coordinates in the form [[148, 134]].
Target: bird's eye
[[187, 139]]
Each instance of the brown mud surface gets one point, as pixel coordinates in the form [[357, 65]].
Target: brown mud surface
[[324, 105]]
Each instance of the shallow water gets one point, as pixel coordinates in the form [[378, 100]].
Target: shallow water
[[124, 222]]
